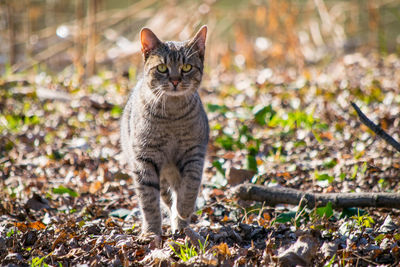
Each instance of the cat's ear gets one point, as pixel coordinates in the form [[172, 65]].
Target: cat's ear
[[148, 40], [199, 41]]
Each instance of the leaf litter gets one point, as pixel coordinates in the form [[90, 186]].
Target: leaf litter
[[68, 200]]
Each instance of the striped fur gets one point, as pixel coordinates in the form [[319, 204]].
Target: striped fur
[[164, 131]]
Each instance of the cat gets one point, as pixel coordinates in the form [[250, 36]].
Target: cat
[[165, 131]]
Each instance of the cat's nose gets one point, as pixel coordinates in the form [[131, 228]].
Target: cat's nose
[[175, 82]]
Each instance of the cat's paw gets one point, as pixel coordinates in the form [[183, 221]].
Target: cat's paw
[[177, 225], [184, 213], [154, 240]]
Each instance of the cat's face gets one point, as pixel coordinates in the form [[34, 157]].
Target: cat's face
[[173, 68]]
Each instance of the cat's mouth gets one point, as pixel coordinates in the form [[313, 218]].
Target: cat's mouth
[[177, 93]]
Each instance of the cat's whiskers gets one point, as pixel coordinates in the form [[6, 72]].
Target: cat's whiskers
[[163, 109], [159, 101], [191, 47], [158, 93], [150, 103]]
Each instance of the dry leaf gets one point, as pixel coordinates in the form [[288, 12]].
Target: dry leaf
[[300, 253], [238, 176], [23, 227], [38, 225], [222, 249], [95, 187]]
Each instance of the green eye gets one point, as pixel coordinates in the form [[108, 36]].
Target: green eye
[[162, 68], [186, 67]]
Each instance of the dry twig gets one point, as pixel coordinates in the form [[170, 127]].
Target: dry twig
[[375, 128]]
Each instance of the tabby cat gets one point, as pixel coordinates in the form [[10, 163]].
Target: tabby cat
[[164, 129]]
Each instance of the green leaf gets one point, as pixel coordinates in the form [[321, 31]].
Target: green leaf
[[364, 168], [286, 217], [56, 155], [218, 165], [116, 111], [225, 141], [38, 262], [355, 170], [324, 177], [32, 120], [252, 163], [330, 263], [220, 108], [329, 164], [317, 136], [396, 236], [379, 238], [64, 190], [10, 232], [299, 143], [8, 146], [325, 211], [349, 212], [367, 221], [260, 114]]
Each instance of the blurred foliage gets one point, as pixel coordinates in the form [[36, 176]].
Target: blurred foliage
[[242, 34]]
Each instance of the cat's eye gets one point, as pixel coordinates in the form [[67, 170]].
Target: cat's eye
[[162, 68], [186, 67]]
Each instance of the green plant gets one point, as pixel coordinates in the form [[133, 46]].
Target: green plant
[[301, 215], [363, 220], [218, 165], [203, 246], [116, 111], [297, 119], [325, 211], [184, 252], [222, 109], [355, 170], [323, 177], [38, 262], [64, 190], [330, 263], [11, 232], [378, 239], [15, 122], [330, 163], [261, 114]]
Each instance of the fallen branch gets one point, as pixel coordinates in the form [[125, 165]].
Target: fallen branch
[[281, 195], [375, 128]]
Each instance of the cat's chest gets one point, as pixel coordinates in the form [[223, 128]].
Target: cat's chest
[[169, 139], [174, 133]]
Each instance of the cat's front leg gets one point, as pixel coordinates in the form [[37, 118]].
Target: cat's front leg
[[191, 171], [147, 188]]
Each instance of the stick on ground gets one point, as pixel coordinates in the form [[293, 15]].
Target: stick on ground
[[375, 128], [282, 195]]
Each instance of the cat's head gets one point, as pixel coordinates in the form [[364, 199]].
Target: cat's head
[[175, 68]]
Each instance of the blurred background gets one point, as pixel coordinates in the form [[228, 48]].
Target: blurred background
[[86, 36]]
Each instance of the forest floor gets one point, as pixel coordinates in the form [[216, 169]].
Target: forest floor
[[67, 198]]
